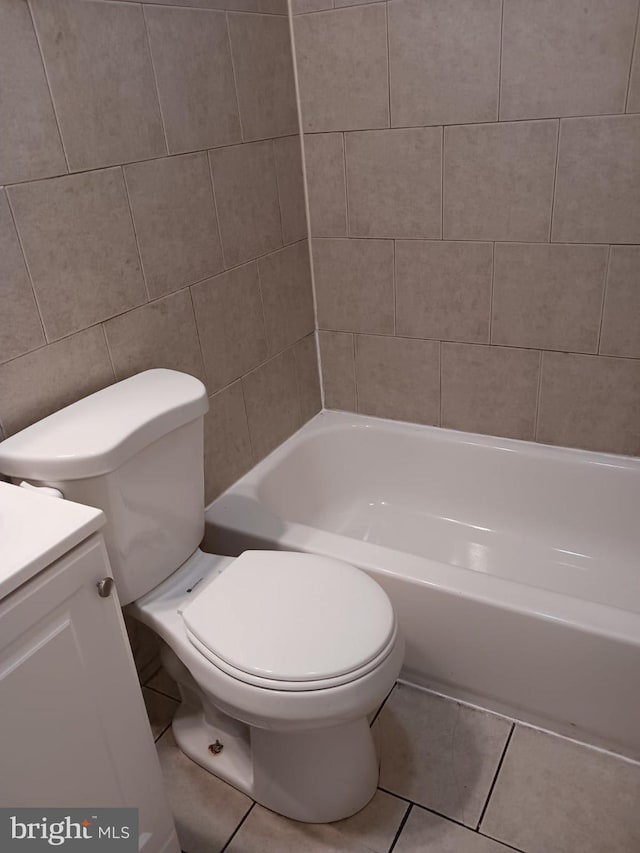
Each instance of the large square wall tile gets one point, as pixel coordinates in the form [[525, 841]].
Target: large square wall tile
[[272, 403], [287, 295], [342, 68], [498, 180], [227, 446], [192, 62], [394, 182], [93, 53], [597, 198], [444, 61], [324, 160], [565, 59], [354, 285], [80, 248], [621, 313], [338, 370]]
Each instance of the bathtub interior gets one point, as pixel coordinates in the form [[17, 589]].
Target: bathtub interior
[[551, 518]]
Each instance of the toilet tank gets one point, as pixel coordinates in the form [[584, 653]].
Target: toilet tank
[[135, 451]]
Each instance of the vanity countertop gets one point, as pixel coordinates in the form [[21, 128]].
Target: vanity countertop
[[35, 530]]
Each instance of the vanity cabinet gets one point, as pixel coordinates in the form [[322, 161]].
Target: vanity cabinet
[[74, 727]]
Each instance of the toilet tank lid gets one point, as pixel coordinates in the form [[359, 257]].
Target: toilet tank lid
[[99, 433]]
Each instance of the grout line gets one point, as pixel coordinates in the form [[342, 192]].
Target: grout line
[[233, 72], [164, 730], [155, 77], [264, 316], [113, 368], [634, 49], [215, 209], [135, 233], [246, 415], [401, 827], [275, 170], [29, 276], [500, 62], [46, 77], [199, 338], [493, 275], [442, 183], [604, 296], [161, 693], [346, 183], [555, 182], [238, 827], [384, 702], [386, 23], [497, 773], [536, 419]]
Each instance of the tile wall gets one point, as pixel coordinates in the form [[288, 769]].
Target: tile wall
[[152, 213], [473, 171]]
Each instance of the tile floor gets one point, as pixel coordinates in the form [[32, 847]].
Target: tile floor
[[454, 779]]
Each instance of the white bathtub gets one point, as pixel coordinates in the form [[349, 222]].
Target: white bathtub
[[513, 567]]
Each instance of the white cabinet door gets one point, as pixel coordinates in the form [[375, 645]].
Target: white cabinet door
[[74, 730]]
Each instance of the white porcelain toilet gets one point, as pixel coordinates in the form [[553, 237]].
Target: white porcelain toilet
[[280, 657]]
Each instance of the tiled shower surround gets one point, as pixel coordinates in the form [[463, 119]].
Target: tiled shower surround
[[473, 171], [473, 177], [153, 214]]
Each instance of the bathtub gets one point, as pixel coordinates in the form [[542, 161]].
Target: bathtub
[[513, 567]]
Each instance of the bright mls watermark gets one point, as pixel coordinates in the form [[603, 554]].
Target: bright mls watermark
[[69, 830]]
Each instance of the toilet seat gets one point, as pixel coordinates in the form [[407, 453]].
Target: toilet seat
[[291, 622]]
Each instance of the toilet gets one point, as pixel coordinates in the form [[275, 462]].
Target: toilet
[[281, 658]]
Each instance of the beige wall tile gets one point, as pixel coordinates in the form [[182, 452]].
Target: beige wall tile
[[47, 379], [354, 285], [230, 324], [175, 221], [490, 390], [443, 836], [371, 830], [394, 183], [31, 146], [339, 3], [565, 59], [498, 180], [287, 295], [621, 317], [271, 398], [342, 68], [246, 191], [324, 160], [444, 71], [20, 327], [192, 63], [101, 79], [288, 158], [398, 378], [227, 448], [80, 248], [548, 296], [438, 753], [554, 794], [263, 67], [338, 370], [309, 393], [299, 7], [443, 290], [597, 189], [633, 102], [160, 334], [590, 402]]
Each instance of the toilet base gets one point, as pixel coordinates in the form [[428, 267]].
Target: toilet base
[[315, 776]]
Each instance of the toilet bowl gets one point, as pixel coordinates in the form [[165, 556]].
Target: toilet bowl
[[280, 658]]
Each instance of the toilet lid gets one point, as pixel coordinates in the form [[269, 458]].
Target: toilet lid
[[287, 617]]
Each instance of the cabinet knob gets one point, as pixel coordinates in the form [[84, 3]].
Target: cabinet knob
[[104, 587]]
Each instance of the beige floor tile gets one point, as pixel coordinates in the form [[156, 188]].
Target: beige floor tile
[[205, 809], [372, 829], [163, 683], [160, 710], [427, 831], [439, 753], [557, 796]]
